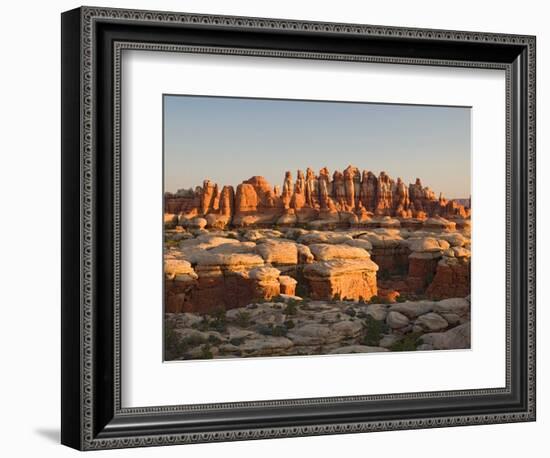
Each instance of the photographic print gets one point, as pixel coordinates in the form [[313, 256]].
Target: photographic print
[[306, 227]]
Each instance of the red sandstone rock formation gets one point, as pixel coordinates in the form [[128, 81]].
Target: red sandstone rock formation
[[350, 197], [352, 279], [452, 279], [287, 285]]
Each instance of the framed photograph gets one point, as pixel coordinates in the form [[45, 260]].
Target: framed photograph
[[278, 228]]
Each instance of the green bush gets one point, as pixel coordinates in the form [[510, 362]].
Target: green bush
[[218, 322], [193, 340], [289, 324], [242, 319], [236, 341], [206, 353], [172, 346], [213, 339], [291, 307], [407, 343], [176, 347], [279, 331], [265, 330], [374, 331]]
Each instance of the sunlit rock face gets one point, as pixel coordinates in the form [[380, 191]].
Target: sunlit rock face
[[330, 262], [220, 269], [322, 200]]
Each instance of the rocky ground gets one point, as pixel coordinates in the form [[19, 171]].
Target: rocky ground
[[301, 291], [290, 326]]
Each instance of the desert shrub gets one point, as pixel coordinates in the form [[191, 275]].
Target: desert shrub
[[206, 353], [236, 341], [218, 322], [402, 297], [291, 307], [172, 343], [279, 331], [214, 339], [242, 319], [375, 300], [408, 343], [350, 311], [215, 322], [176, 347], [265, 329], [289, 324], [193, 340], [202, 325], [374, 331], [219, 314]]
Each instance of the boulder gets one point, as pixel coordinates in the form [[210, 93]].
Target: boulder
[[457, 305], [217, 221], [396, 320], [324, 237], [197, 223], [275, 252], [428, 244], [357, 349], [413, 309], [348, 328], [311, 334], [288, 285], [360, 243], [266, 345], [327, 252], [234, 248], [377, 311], [432, 322], [228, 261], [352, 279], [174, 267], [439, 223], [305, 256], [455, 338]]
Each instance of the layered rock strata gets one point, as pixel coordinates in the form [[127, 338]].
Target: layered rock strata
[[212, 270]]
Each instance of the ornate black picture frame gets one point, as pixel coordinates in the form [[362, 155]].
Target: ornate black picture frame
[[92, 415]]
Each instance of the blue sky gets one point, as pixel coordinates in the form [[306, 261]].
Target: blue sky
[[228, 140]]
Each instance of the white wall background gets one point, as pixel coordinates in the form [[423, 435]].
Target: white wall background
[[30, 240]]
